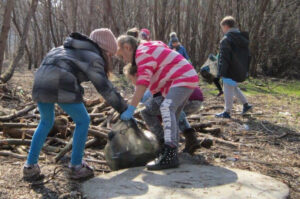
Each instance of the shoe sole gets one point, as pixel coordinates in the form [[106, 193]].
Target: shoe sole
[[33, 178], [163, 167], [81, 178]]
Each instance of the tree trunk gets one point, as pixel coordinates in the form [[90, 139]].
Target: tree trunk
[[91, 19], [5, 29], [155, 19], [255, 31], [40, 37], [9, 73], [109, 13], [178, 11], [50, 23], [29, 56]]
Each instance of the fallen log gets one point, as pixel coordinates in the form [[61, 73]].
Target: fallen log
[[17, 114]]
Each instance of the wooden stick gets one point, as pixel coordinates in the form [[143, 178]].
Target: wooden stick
[[15, 155], [100, 115], [96, 131], [58, 140], [91, 142], [63, 151], [213, 131], [68, 148], [202, 125], [17, 114], [96, 161], [94, 102], [15, 142], [228, 143], [26, 142], [18, 125]]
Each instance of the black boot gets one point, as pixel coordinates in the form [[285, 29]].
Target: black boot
[[166, 160], [191, 142]]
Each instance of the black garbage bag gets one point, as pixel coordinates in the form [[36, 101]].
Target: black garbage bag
[[128, 146]]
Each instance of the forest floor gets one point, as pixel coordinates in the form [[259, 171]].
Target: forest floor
[[266, 141]]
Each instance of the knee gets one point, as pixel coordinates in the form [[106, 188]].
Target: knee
[[47, 122], [167, 106], [83, 120]]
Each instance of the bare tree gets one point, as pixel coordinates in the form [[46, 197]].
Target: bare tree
[[5, 29], [8, 74]]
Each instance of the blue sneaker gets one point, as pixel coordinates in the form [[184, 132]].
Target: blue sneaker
[[223, 115], [246, 108]]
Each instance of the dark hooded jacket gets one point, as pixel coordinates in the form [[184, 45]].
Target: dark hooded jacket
[[64, 68], [234, 58]]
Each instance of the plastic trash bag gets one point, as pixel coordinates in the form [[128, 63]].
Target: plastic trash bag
[[209, 70], [128, 146]]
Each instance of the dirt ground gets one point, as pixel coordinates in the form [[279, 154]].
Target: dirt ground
[[268, 142]]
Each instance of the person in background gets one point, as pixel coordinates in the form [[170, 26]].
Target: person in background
[[233, 64], [174, 44], [133, 32], [175, 79], [192, 106], [207, 75], [58, 80], [145, 34]]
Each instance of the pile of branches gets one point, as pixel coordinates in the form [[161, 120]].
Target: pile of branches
[[17, 129]]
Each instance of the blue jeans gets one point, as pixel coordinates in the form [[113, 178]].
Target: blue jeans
[[78, 114]]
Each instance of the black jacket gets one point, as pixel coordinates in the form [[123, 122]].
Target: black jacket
[[234, 58], [64, 68]]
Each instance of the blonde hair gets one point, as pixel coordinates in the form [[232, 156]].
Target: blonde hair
[[129, 70], [133, 32], [229, 21]]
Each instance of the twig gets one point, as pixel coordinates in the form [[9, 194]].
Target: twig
[[266, 128], [65, 150], [96, 161], [15, 155], [17, 114], [55, 172]]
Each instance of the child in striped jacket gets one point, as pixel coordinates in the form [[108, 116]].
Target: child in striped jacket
[[152, 104], [165, 73]]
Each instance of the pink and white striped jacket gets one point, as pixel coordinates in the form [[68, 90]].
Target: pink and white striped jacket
[[160, 68]]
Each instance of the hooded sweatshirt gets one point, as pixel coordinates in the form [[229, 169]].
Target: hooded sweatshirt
[[234, 58]]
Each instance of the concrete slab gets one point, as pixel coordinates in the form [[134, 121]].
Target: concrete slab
[[187, 182]]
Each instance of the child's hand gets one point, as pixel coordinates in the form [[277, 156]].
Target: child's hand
[[128, 114]]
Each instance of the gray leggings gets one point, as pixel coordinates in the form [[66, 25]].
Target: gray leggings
[[229, 93], [169, 108]]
